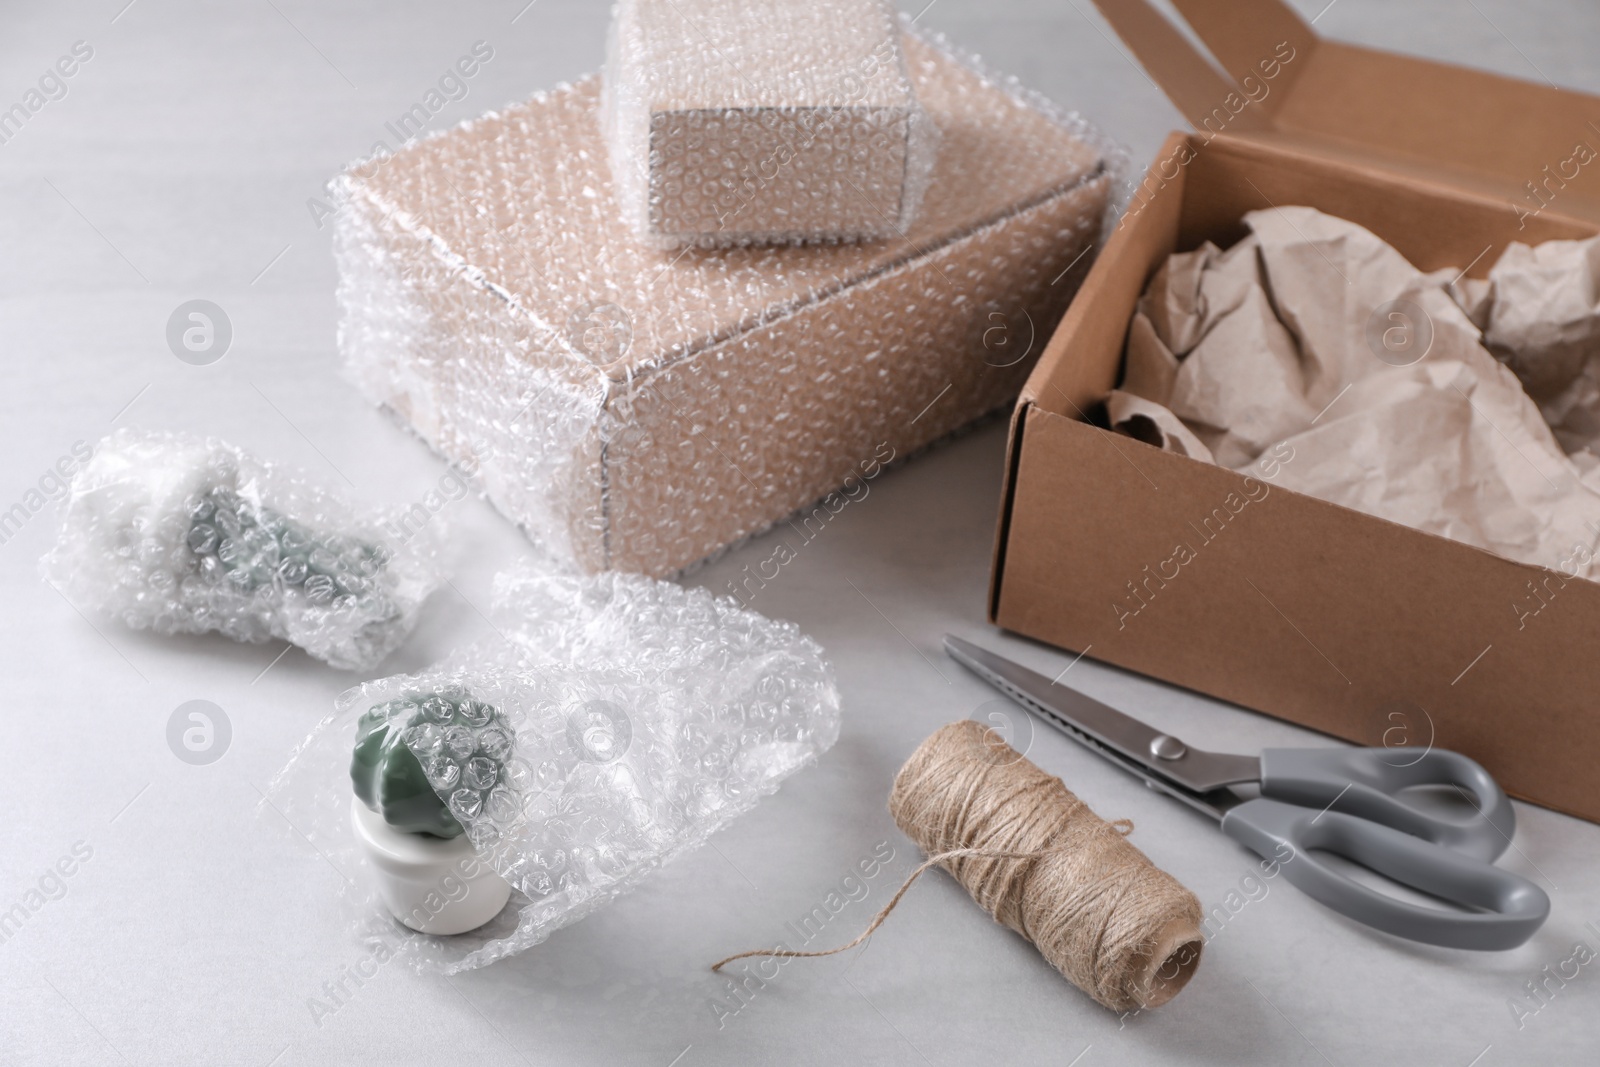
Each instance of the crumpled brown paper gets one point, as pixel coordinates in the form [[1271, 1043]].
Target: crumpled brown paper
[[1544, 322], [1372, 385]]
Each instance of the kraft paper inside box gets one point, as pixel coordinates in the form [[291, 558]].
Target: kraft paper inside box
[[636, 409], [1298, 608]]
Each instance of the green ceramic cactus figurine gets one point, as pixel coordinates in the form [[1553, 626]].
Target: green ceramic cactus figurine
[[463, 741], [249, 548]]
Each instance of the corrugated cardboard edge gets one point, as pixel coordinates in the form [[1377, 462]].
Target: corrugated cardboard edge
[[1045, 370]]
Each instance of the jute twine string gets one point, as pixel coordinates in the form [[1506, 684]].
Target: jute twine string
[[1038, 860]]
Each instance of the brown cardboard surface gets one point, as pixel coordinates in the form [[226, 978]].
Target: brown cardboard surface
[[1302, 609], [1098, 319], [1532, 145], [756, 379], [1288, 605]]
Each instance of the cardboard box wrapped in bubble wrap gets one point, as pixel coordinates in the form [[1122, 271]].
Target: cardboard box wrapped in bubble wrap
[[740, 121], [639, 409]]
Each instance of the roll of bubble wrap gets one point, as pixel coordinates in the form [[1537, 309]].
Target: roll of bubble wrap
[[627, 721], [732, 121], [634, 409], [179, 534]]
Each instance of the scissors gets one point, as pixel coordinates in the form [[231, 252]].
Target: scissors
[[1338, 800]]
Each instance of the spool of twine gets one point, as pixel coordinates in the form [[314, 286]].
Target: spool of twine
[[1038, 860]]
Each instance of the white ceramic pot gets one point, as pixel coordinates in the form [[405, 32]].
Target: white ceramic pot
[[433, 885]]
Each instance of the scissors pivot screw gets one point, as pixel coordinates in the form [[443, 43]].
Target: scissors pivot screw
[[1167, 747]]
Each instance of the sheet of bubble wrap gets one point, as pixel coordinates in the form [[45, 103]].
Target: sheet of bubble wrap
[[730, 121], [635, 409], [181, 534], [622, 722]]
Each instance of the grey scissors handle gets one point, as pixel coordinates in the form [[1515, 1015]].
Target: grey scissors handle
[[1508, 907], [1363, 782]]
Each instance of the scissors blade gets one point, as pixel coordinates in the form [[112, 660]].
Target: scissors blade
[[1086, 719]]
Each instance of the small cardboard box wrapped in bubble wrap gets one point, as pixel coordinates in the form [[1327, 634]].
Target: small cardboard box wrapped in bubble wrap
[[739, 121], [639, 409]]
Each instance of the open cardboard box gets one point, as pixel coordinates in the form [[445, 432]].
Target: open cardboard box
[[1291, 606]]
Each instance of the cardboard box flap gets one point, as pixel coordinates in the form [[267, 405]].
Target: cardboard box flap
[[1270, 77]]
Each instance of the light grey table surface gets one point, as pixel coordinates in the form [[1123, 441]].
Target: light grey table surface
[[179, 165]]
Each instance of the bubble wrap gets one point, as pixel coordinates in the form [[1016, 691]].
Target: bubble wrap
[[457, 741], [180, 534], [731, 121], [634, 409], [642, 718]]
